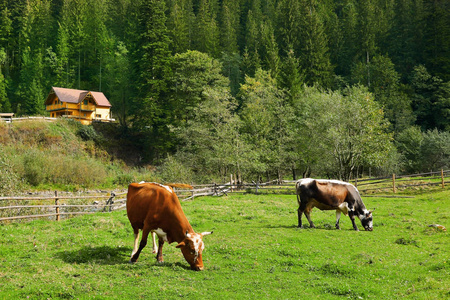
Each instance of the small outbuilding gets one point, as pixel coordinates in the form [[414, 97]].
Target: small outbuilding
[[7, 117], [83, 106]]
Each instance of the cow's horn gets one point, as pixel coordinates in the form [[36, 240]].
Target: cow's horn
[[207, 233], [187, 234]]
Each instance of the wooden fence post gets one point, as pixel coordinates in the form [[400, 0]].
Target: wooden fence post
[[231, 183], [393, 182], [109, 202], [57, 206], [257, 184], [442, 178]]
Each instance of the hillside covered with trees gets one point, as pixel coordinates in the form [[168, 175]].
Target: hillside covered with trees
[[257, 88]]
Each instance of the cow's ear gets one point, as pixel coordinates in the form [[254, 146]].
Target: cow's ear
[[182, 244]]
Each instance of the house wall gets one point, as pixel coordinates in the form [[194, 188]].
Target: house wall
[[84, 113], [104, 113]]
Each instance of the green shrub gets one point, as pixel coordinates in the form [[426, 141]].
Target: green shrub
[[87, 133], [9, 181], [34, 164], [123, 179], [173, 170]]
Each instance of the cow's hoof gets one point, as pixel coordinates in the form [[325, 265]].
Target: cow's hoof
[[131, 262]]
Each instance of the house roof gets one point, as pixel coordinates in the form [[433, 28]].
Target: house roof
[[76, 96]]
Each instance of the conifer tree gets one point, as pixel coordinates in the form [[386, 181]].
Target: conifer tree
[[229, 26], [288, 26], [437, 37], [206, 38], [181, 25], [315, 57], [152, 68]]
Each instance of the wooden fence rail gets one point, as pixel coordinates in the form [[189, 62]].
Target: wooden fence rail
[[57, 209], [110, 201]]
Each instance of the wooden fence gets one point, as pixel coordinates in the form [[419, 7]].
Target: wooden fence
[[397, 183], [65, 205], [57, 206], [17, 119]]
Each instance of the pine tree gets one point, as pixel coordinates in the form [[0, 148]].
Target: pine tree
[[181, 25], [152, 67], [437, 38], [269, 49], [288, 26], [229, 26], [206, 39], [315, 57], [291, 76], [405, 41]]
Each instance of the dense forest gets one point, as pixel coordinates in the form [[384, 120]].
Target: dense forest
[[209, 88]]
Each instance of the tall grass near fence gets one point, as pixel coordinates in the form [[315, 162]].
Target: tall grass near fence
[[59, 155], [256, 252]]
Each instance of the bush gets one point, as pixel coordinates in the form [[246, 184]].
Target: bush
[[173, 170], [9, 181], [123, 179], [34, 168], [87, 133], [424, 151]]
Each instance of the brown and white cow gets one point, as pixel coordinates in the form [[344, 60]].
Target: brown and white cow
[[155, 208], [331, 195]]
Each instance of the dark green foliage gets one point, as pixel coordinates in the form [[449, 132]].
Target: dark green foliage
[[424, 151], [399, 50], [87, 133]]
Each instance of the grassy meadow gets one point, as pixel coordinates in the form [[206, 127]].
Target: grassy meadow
[[256, 252]]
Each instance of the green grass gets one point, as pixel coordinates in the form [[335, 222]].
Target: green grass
[[256, 251]]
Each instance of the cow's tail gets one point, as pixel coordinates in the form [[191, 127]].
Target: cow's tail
[[180, 185], [297, 187]]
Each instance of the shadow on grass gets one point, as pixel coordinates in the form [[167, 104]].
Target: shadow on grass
[[102, 255], [277, 226], [307, 227], [105, 255]]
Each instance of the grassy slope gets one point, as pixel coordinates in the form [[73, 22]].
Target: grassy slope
[[255, 252], [65, 155]]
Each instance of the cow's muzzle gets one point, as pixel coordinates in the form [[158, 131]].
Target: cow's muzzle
[[197, 268], [368, 228]]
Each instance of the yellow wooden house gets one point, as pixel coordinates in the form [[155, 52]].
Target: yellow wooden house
[[83, 106]]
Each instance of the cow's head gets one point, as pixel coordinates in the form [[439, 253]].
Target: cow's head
[[192, 247], [366, 220]]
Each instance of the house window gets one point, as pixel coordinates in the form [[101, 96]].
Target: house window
[[85, 102], [98, 116]]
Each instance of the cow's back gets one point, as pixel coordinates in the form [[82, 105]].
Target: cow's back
[[149, 202]]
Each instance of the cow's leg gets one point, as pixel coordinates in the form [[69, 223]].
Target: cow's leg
[[136, 241], [352, 217], [301, 209], [338, 217], [159, 256], [155, 247], [142, 244], [308, 216], [299, 214]]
